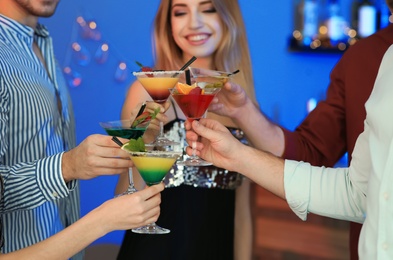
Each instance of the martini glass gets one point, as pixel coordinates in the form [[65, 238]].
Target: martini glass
[[153, 166], [157, 84], [124, 129], [194, 101]]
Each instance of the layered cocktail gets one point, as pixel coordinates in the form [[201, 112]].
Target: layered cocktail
[[157, 84], [153, 167]]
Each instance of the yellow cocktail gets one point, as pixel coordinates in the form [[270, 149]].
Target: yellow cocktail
[[157, 84], [153, 166], [158, 88]]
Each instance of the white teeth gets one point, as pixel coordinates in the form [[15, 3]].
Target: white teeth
[[199, 37]]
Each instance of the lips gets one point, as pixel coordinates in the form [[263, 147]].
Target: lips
[[198, 38]]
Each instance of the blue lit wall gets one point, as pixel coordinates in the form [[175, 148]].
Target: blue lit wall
[[284, 81]]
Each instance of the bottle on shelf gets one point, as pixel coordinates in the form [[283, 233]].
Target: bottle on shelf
[[365, 17], [310, 21], [335, 23]]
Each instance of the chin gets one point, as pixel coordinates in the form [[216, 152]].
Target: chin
[[201, 53]]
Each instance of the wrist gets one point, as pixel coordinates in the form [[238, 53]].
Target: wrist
[[66, 167], [244, 111]]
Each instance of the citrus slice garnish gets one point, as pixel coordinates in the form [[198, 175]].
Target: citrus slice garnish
[[183, 88]]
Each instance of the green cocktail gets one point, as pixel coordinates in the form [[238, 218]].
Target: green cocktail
[[120, 130], [130, 130]]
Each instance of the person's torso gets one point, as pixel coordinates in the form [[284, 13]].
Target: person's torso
[[34, 125], [376, 237]]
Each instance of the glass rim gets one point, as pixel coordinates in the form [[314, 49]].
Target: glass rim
[[137, 73], [115, 121], [155, 152], [201, 72]]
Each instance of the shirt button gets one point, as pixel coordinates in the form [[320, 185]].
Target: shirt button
[[385, 246], [386, 195], [55, 194]]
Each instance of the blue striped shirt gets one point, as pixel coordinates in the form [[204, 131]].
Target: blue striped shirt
[[34, 133]]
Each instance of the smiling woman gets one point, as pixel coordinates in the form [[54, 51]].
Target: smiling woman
[[206, 208], [196, 28]]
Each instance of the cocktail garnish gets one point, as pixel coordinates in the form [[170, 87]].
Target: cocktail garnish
[[133, 145], [216, 84], [183, 88], [144, 118], [143, 68], [196, 91]]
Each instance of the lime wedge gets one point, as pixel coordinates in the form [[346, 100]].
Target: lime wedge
[[133, 145]]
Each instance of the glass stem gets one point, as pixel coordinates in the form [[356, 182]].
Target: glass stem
[[194, 156], [131, 187], [161, 129]]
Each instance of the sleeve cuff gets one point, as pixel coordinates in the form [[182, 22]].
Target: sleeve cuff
[[50, 178], [297, 181]]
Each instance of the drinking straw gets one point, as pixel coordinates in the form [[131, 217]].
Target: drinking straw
[[139, 113], [117, 141], [185, 66], [188, 77], [233, 73]]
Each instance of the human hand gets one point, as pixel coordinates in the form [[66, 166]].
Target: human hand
[[130, 211], [216, 145], [95, 156], [229, 101]]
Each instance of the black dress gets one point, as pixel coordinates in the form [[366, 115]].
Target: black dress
[[201, 222], [198, 206]]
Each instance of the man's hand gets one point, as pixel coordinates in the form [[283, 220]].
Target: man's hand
[[97, 155], [217, 145]]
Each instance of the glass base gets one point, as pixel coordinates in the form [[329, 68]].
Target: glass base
[[164, 142], [151, 229], [194, 162], [130, 190]]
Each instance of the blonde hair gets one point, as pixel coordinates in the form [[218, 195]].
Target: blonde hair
[[233, 52]]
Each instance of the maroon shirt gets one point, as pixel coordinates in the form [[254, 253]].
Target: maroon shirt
[[333, 126]]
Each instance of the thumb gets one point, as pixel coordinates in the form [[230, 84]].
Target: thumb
[[233, 87]]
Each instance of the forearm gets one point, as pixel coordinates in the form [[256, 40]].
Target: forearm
[[263, 168], [64, 244], [34, 175], [310, 189], [259, 130]]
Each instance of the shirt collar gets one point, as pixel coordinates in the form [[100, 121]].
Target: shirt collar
[[23, 30]]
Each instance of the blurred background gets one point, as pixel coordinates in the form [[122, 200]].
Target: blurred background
[[98, 42]]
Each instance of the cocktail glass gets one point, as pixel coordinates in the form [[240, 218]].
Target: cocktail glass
[[153, 167], [124, 129], [195, 100], [157, 84]]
